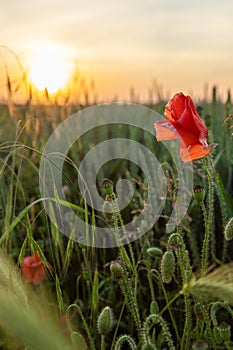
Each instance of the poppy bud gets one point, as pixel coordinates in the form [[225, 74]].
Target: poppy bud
[[228, 232], [199, 345], [116, 270], [105, 321], [154, 252], [167, 266], [108, 187], [199, 193], [224, 330], [154, 308]]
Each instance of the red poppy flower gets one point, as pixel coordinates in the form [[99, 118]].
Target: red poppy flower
[[184, 124], [33, 269]]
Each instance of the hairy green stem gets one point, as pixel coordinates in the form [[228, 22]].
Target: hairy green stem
[[92, 345], [125, 338], [186, 275], [164, 326], [125, 283], [205, 244], [168, 303]]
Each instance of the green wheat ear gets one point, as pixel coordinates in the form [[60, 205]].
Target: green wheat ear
[[25, 315], [217, 284]]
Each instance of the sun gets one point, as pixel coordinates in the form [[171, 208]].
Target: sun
[[50, 68]]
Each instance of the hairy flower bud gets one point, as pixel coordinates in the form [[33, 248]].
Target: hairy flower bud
[[199, 193], [167, 266], [105, 321], [154, 252], [116, 270], [154, 308], [108, 187], [224, 330]]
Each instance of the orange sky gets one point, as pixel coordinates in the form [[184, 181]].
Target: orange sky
[[179, 44]]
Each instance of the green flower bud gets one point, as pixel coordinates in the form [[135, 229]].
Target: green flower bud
[[154, 308], [224, 330], [154, 252], [199, 193], [116, 270], [108, 187], [228, 232], [167, 266], [105, 321]]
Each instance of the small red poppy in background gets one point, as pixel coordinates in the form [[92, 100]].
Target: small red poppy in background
[[184, 124], [33, 269]]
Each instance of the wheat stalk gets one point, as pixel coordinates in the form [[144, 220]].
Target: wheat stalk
[[217, 284]]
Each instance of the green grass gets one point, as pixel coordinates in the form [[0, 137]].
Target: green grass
[[148, 312]]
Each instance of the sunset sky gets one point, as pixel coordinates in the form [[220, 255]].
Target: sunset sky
[[121, 44]]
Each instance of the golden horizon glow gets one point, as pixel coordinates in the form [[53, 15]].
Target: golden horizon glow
[[50, 68]]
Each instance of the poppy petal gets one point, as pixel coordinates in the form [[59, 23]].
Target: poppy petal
[[175, 107], [33, 269], [165, 131], [39, 275], [28, 273], [196, 151]]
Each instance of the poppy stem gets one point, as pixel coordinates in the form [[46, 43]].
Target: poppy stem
[[128, 285], [208, 219]]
